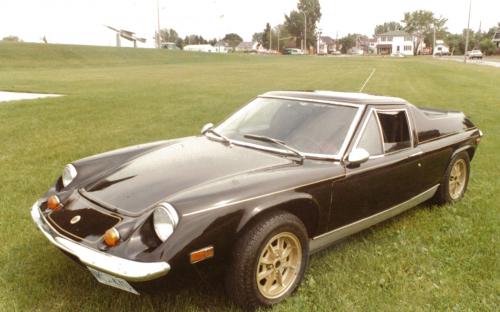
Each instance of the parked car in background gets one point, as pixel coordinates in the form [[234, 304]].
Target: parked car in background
[[441, 49], [475, 54], [287, 175], [355, 51], [293, 51]]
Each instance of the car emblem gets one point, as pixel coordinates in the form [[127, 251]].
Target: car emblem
[[75, 219]]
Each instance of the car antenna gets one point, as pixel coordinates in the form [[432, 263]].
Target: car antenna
[[366, 81]]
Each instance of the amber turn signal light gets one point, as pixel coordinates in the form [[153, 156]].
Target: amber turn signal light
[[112, 237], [202, 254], [53, 203]]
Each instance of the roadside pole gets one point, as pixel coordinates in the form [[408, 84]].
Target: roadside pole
[[467, 36]]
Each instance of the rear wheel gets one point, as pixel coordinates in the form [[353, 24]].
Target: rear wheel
[[454, 183], [269, 261]]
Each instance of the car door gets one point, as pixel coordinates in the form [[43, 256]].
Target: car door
[[389, 177]]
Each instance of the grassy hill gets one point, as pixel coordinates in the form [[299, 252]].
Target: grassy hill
[[431, 258]]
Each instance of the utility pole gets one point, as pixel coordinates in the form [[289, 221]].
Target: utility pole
[[158, 36], [467, 36], [279, 39], [305, 32], [318, 41], [434, 41], [270, 38]]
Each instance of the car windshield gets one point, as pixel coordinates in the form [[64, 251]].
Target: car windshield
[[309, 127]]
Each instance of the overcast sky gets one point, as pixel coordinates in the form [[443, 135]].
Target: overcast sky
[[81, 21]]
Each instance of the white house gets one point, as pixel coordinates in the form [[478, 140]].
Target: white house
[[205, 48], [496, 38], [395, 42]]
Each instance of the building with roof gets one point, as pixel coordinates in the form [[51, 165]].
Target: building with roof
[[247, 47], [395, 42], [368, 45], [205, 48], [327, 45], [496, 38]]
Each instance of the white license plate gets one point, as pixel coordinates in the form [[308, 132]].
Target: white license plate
[[112, 281]]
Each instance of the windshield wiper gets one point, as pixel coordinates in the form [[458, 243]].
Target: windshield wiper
[[277, 142], [221, 136]]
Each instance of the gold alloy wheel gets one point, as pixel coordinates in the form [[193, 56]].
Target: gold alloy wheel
[[279, 265], [458, 176]]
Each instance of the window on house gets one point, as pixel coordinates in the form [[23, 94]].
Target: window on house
[[371, 140], [389, 38], [395, 130]]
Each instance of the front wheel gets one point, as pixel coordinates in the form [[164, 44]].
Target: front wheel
[[454, 183], [269, 261]]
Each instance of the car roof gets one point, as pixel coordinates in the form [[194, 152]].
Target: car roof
[[333, 96]]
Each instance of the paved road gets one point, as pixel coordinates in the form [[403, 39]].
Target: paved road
[[13, 96], [495, 62]]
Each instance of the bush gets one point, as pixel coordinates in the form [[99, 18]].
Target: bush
[[487, 46]]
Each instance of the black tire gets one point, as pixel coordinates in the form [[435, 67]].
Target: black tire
[[444, 194], [241, 276]]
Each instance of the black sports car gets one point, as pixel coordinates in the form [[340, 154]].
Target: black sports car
[[287, 175]]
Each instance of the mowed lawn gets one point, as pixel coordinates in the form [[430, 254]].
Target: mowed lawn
[[430, 258]]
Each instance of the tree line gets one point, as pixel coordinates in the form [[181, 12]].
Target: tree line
[[290, 33], [423, 23], [298, 25]]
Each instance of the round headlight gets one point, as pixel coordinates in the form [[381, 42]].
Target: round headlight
[[69, 174], [165, 220]]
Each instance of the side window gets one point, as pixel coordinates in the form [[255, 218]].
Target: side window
[[370, 138], [395, 130]]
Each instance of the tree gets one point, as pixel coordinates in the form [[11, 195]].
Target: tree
[[456, 43], [265, 36], [212, 41], [348, 42], [257, 37], [487, 46], [194, 39], [280, 33], [168, 35], [491, 32], [387, 26], [294, 22], [12, 39], [233, 40], [180, 43], [421, 23]]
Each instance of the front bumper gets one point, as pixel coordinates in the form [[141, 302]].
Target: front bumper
[[133, 271]]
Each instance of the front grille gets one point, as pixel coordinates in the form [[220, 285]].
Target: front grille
[[91, 225]]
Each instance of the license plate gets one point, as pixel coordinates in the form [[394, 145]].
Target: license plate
[[112, 281]]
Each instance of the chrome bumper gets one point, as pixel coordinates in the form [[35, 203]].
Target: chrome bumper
[[129, 270]]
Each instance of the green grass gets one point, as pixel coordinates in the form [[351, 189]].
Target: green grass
[[430, 258]]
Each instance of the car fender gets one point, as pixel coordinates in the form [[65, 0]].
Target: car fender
[[304, 205]]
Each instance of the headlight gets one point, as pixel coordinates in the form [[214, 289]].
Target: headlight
[[69, 174], [165, 220]]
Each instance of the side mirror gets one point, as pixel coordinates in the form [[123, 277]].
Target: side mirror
[[206, 127], [357, 156]]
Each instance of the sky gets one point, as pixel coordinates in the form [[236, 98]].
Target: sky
[[82, 21]]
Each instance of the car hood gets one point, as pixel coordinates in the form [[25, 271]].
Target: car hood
[[138, 184]]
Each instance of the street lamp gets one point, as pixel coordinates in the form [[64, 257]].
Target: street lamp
[[305, 32]]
